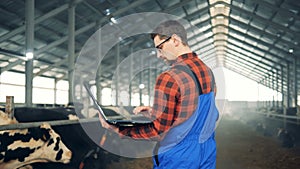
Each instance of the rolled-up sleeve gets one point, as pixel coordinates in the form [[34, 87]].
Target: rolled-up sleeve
[[163, 111]]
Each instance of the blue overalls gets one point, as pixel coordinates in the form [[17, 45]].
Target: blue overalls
[[191, 145]]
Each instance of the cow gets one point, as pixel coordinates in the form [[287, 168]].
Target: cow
[[38, 144], [286, 138], [74, 136], [264, 129]]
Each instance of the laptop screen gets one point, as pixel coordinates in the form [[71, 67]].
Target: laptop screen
[[87, 87]]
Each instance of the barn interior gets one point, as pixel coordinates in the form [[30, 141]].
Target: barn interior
[[48, 49]]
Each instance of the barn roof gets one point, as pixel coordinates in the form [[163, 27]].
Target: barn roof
[[258, 39]]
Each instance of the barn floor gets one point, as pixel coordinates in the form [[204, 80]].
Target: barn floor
[[239, 146]]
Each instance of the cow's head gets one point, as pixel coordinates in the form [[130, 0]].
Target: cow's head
[[55, 150], [40, 144]]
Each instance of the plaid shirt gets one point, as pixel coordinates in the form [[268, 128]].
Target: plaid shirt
[[175, 98]]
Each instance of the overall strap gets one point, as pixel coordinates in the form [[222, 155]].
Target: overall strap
[[189, 71]]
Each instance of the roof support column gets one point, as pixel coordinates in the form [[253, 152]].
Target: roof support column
[[282, 92], [55, 91], [99, 70], [98, 86], [140, 83], [71, 48], [29, 17], [277, 89], [273, 88], [288, 86], [257, 103], [295, 83], [265, 83], [287, 95], [270, 86], [130, 77], [149, 86], [117, 74]]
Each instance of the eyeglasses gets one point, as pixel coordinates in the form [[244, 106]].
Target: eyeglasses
[[161, 44]]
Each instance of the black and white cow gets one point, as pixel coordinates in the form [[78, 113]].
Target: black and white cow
[[39, 144], [73, 136]]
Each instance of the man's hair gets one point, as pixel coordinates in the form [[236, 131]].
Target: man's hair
[[168, 28]]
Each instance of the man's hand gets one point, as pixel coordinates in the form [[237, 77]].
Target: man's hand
[[145, 110], [106, 125]]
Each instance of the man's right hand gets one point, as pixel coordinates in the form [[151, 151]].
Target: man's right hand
[[145, 110]]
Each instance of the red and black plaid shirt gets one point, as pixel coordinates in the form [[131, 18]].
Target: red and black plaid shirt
[[175, 98]]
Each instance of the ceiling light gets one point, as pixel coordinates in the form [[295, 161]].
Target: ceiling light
[[113, 20], [107, 12], [142, 86], [29, 55]]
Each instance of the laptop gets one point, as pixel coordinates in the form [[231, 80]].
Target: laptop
[[116, 122]]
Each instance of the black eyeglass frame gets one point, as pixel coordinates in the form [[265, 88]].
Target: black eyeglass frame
[[159, 46]]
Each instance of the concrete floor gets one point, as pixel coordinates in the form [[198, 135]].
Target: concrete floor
[[239, 147]]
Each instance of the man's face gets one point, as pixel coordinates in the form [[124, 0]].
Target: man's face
[[165, 48]]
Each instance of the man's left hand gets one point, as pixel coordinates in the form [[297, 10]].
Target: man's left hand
[[108, 126]]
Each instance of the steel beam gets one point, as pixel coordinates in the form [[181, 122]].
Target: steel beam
[[29, 43], [232, 67], [21, 29], [263, 20], [295, 83], [71, 49]]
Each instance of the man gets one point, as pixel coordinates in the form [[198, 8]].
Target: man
[[184, 112]]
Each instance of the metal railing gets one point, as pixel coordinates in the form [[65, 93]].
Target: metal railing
[[283, 117], [23, 125]]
